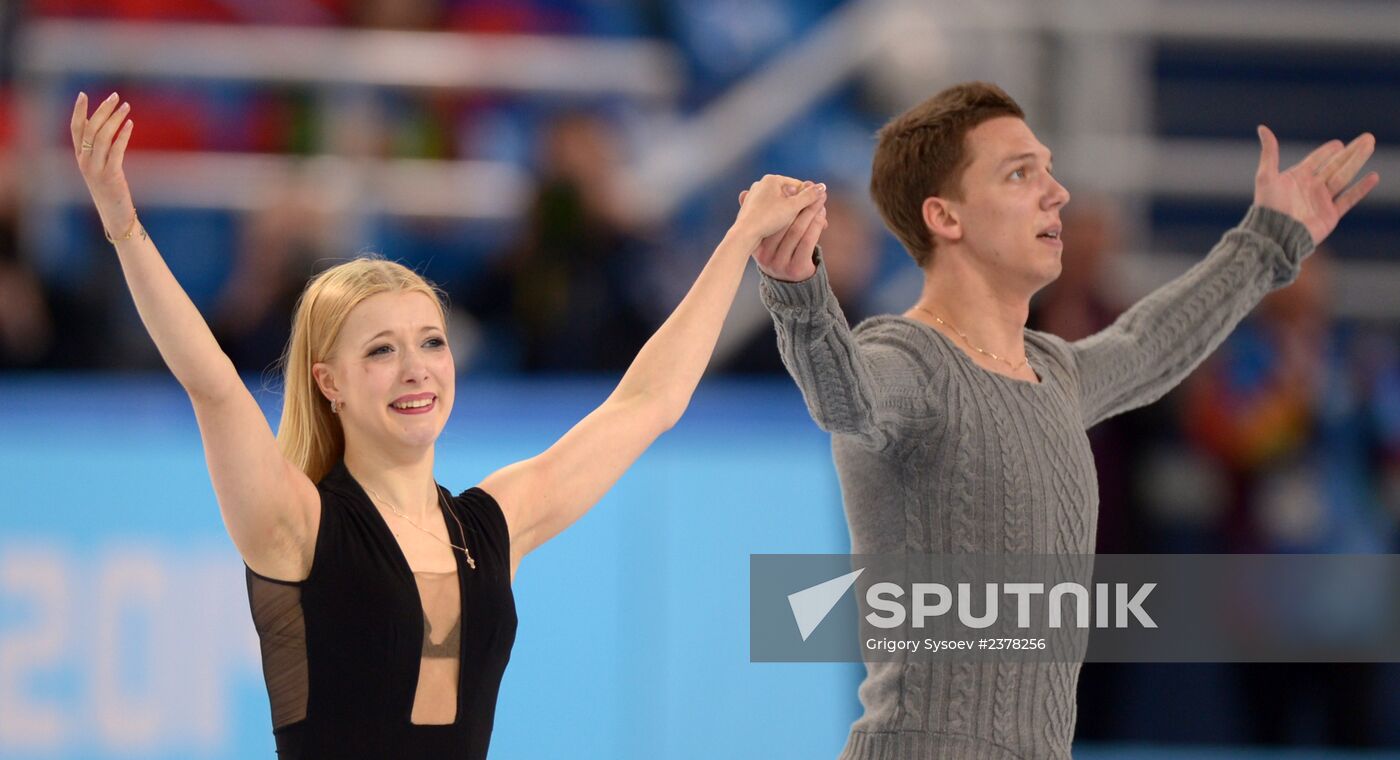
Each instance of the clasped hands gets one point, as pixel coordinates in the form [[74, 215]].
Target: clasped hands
[[789, 237]]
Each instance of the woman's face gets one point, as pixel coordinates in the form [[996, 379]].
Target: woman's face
[[392, 371]]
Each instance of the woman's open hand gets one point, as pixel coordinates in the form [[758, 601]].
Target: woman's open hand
[[99, 144]]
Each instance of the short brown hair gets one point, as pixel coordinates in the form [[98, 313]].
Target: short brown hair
[[923, 152]]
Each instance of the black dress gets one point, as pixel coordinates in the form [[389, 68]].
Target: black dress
[[346, 651]]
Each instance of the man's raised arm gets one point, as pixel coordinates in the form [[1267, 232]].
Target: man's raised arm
[[1156, 343], [835, 373]]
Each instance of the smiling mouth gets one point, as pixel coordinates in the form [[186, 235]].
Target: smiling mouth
[[414, 406]]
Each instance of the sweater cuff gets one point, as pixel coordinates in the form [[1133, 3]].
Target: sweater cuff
[[806, 294], [1286, 232]]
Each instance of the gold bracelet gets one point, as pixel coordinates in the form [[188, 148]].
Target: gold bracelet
[[135, 225]]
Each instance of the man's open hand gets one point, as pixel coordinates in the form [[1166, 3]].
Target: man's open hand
[[1314, 191]]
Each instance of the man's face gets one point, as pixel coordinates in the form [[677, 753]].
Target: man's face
[[1009, 215]]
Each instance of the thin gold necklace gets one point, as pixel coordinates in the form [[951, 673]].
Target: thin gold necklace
[[968, 341], [470, 562]]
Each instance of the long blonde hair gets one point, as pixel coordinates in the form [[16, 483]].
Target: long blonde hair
[[310, 436]]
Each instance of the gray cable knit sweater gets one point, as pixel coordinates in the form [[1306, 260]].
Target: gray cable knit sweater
[[937, 455]]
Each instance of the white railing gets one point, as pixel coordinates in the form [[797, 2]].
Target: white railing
[[322, 56]]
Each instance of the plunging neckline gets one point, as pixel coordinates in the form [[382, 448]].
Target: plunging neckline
[[401, 560]]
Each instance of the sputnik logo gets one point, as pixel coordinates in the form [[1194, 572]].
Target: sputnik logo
[[810, 606]]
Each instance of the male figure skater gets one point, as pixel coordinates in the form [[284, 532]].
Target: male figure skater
[[955, 430]]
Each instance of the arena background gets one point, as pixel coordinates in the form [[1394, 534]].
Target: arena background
[[562, 168]]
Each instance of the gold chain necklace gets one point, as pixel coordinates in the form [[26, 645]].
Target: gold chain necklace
[[470, 562], [968, 341]]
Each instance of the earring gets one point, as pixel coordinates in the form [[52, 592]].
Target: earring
[[336, 406]]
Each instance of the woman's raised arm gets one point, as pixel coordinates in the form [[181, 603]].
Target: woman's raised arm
[[270, 508], [542, 495]]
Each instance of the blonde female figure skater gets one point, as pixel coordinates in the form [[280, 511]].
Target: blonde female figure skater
[[383, 602]]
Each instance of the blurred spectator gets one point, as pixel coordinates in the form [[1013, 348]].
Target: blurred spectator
[[26, 327], [1292, 410], [851, 253], [572, 289], [1079, 302], [277, 253]]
